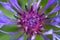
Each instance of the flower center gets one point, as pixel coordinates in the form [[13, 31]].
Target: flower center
[[32, 22]]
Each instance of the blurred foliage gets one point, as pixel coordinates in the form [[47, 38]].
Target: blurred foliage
[[11, 28]]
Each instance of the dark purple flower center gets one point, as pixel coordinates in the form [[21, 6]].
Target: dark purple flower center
[[31, 21]]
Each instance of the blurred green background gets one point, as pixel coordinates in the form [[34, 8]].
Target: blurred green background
[[13, 28]]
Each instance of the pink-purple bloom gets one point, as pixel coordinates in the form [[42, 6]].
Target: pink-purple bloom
[[31, 20]]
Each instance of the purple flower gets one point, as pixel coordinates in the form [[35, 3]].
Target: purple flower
[[31, 20]]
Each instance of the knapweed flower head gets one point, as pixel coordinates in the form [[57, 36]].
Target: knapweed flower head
[[32, 20]]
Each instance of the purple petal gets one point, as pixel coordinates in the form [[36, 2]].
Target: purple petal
[[45, 38], [58, 2], [1, 24], [7, 6], [4, 20], [12, 33], [55, 24], [50, 2], [55, 9], [55, 21], [48, 32], [36, 4], [55, 36], [57, 18], [15, 4], [57, 31], [11, 37], [31, 37], [20, 37], [29, 3]]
